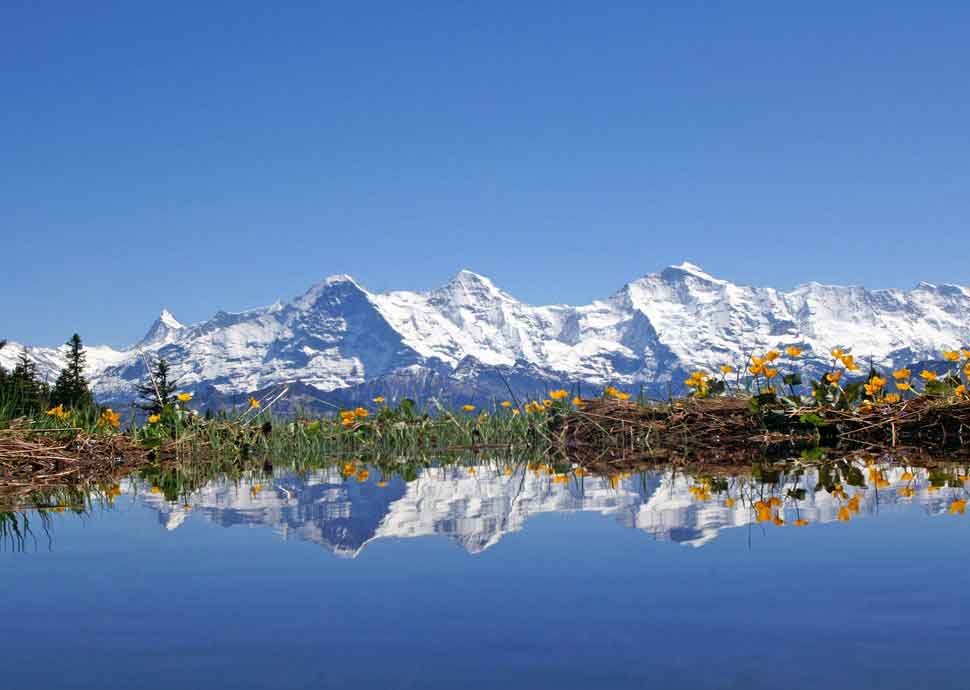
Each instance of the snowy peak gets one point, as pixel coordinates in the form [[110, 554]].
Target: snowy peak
[[164, 329]]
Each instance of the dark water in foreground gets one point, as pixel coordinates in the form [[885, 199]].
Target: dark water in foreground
[[496, 577]]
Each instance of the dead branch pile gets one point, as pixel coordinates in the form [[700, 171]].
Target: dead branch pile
[[726, 429]]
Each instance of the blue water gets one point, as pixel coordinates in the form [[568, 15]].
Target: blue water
[[232, 595]]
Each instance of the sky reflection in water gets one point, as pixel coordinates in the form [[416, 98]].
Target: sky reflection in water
[[554, 582]]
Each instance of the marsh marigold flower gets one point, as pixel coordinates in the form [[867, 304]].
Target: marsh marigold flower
[[559, 394], [379, 400], [833, 377], [772, 355], [928, 375], [361, 412], [793, 351], [154, 418], [951, 355], [468, 408], [58, 412], [901, 374], [577, 401], [184, 397], [506, 404], [110, 418], [726, 369], [254, 404]]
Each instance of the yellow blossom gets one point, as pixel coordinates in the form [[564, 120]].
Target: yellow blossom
[[891, 398], [361, 412], [379, 400], [757, 361], [833, 376], [468, 408], [951, 355], [577, 401], [756, 369], [726, 369], [844, 514], [507, 472], [184, 397], [559, 394], [771, 373], [154, 418], [801, 522], [900, 374], [59, 412], [778, 521], [961, 391], [580, 472], [505, 403], [254, 404], [363, 475], [772, 355], [906, 477], [728, 502], [958, 507], [763, 511], [837, 353], [927, 375], [110, 418], [848, 361], [793, 351], [903, 386]]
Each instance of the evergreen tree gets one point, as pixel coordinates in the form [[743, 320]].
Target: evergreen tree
[[71, 388], [27, 393], [157, 391]]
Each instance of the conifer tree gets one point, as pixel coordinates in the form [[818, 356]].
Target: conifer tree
[[158, 390], [71, 388], [28, 394]]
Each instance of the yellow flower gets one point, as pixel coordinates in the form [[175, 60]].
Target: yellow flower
[[778, 521], [379, 400], [363, 475], [757, 361], [793, 351], [903, 386], [772, 355], [349, 468], [927, 375], [837, 353], [507, 472], [506, 403], [577, 401], [622, 396], [728, 502], [468, 408], [726, 369], [801, 522], [763, 511], [961, 391], [361, 412], [559, 394], [906, 477], [254, 404], [833, 376], [580, 472], [951, 355], [59, 412], [154, 418], [110, 418], [891, 398], [874, 385], [547, 403], [958, 507], [382, 483], [471, 470], [771, 373], [844, 514], [906, 492], [901, 374], [155, 489], [848, 361], [515, 412], [756, 369], [184, 397]]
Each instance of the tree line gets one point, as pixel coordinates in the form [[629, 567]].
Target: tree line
[[24, 393]]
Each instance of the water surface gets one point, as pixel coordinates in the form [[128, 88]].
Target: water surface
[[493, 575]]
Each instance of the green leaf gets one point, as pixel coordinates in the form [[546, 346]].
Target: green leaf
[[811, 418], [937, 388], [792, 379]]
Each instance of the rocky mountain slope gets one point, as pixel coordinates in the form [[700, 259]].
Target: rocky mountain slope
[[339, 342]]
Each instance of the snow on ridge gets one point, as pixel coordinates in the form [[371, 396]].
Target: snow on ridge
[[339, 334]]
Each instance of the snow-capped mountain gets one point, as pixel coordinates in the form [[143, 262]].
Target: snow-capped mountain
[[464, 340], [476, 507]]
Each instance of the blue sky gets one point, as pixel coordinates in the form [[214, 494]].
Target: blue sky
[[223, 156]]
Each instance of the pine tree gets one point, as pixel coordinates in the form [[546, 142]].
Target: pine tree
[[157, 391], [28, 394], [71, 388]]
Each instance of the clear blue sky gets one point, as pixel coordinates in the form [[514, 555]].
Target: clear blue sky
[[197, 158]]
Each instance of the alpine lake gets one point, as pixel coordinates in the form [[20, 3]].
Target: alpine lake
[[479, 572]]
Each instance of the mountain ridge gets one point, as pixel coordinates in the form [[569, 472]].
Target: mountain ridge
[[468, 338]]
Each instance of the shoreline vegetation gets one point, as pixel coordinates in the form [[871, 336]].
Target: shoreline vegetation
[[58, 436]]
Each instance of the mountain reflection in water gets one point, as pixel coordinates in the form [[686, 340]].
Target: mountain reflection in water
[[343, 510]]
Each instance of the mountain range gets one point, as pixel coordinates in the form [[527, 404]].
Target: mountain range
[[469, 341]]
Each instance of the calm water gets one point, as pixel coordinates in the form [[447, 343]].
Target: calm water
[[496, 577]]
